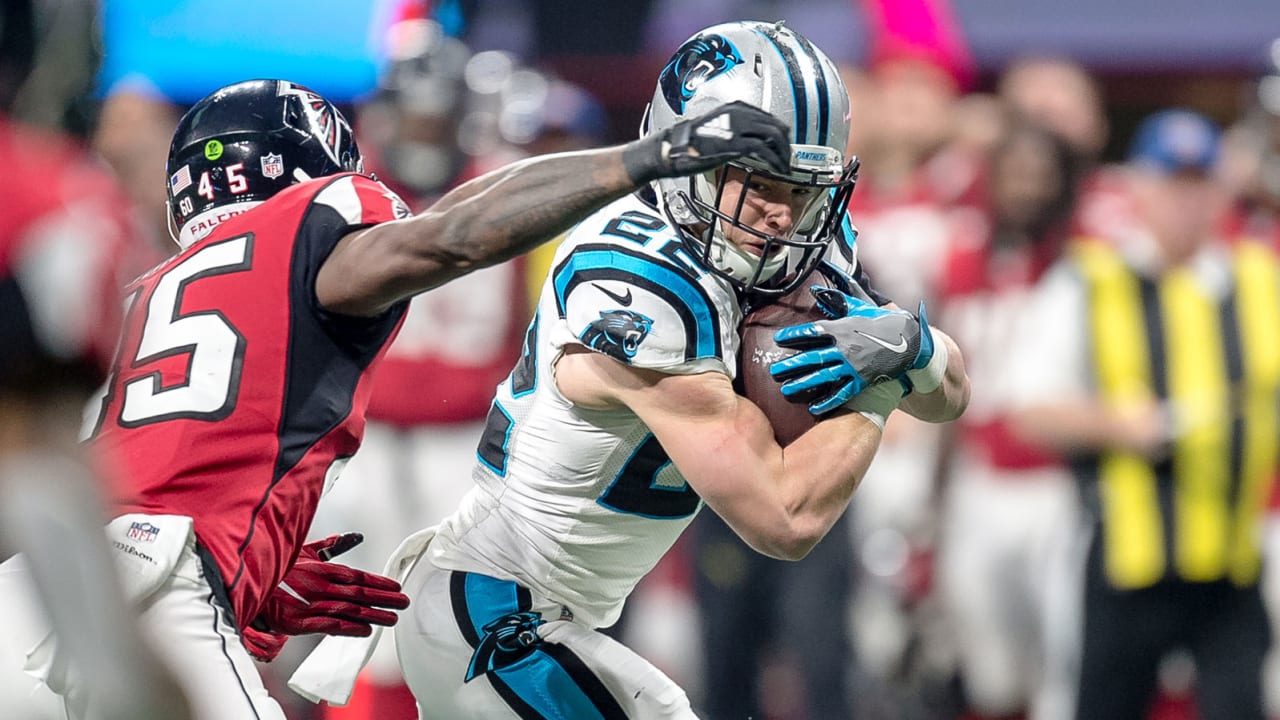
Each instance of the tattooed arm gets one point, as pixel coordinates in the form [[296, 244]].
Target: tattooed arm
[[513, 209]]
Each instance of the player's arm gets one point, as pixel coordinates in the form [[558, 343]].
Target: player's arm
[[781, 501], [949, 399], [513, 209]]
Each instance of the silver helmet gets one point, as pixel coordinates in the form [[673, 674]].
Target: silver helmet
[[776, 69]]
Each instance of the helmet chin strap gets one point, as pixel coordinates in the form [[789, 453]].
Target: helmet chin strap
[[739, 263]]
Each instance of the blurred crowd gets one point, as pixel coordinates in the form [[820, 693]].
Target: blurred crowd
[[1097, 528]]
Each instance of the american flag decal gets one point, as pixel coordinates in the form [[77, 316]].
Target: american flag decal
[[180, 180]]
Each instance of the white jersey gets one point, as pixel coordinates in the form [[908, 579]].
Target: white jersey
[[575, 504]]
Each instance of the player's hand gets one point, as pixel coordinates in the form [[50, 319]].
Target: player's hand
[[861, 345], [263, 645], [732, 131], [317, 596]]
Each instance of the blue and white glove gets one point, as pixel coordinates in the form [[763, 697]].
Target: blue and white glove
[[861, 346]]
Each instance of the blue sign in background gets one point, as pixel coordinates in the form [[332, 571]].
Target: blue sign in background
[[188, 48]]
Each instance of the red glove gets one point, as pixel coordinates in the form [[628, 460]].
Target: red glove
[[317, 596], [263, 645]]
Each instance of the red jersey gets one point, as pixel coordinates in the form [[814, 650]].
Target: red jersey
[[235, 398], [64, 242], [984, 291], [1252, 223]]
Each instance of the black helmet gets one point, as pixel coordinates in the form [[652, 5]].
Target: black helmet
[[248, 141]]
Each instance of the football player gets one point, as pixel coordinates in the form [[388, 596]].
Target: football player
[[241, 376], [620, 420]]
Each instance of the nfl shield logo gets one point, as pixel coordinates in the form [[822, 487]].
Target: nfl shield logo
[[143, 532], [272, 166]]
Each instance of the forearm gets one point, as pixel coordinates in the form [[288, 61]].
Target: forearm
[[821, 471], [512, 210], [531, 201], [486, 221], [782, 501], [1085, 425], [949, 400]]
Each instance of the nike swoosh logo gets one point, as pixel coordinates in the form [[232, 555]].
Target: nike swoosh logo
[[624, 299], [900, 346]]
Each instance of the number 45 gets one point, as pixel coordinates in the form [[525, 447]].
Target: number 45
[[214, 348]]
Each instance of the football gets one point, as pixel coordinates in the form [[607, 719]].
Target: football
[[789, 419]]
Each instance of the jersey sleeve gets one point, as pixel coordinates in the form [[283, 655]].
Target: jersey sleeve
[[640, 309], [342, 206]]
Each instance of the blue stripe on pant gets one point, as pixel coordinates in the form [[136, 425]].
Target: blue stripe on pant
[[548, 683]]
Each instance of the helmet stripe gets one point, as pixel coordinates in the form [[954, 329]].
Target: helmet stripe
[[799, 95], [824, 102]]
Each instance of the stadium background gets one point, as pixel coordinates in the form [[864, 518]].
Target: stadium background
[[1189, 53]]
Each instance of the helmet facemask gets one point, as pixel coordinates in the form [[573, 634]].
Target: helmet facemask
[[701, 211]]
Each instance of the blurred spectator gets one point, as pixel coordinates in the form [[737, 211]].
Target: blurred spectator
[[1007, 505], [134, 127], [909, 180], [61, 233], [915, 198], [1251, 162], [1061, 95], [1152, 364], [544, 115]]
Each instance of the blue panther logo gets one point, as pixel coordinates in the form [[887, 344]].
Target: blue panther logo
[[696, 62], [618, 333]]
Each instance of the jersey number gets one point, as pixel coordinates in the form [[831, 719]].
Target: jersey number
[[647, 485], [214, 349]]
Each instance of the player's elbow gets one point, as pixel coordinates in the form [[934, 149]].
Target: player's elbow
[[793, 540]]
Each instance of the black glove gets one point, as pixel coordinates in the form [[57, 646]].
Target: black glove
[[733, 130]]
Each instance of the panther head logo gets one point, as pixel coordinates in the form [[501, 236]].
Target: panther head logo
[[696, 62], [618, 333]]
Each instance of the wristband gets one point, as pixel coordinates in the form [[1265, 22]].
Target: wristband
[[878, 401], [929, 378], [644, 159]]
